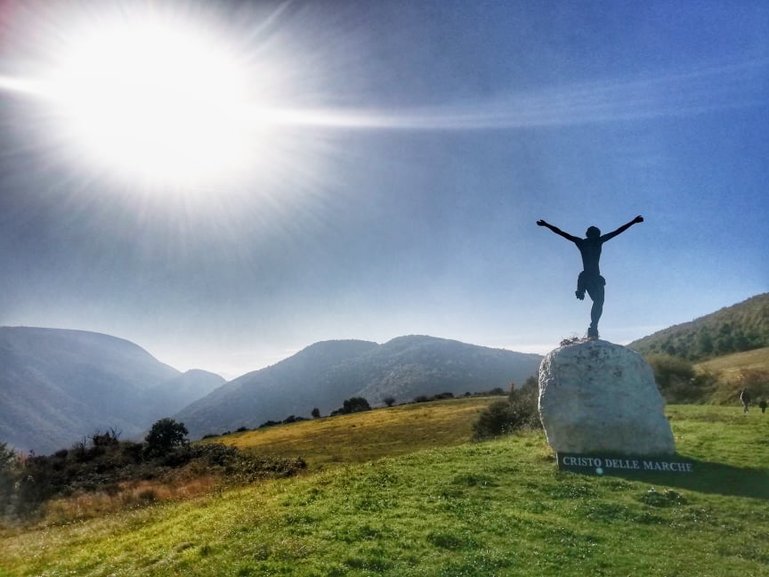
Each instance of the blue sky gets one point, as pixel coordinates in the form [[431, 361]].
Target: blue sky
[[442, 131]]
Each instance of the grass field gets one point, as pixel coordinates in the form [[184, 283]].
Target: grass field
[[496, 508]]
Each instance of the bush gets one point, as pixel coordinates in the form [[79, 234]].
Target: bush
[[106, 439], [497, 419], [353, 405], [37, 480], [292, 419], [504, 417]]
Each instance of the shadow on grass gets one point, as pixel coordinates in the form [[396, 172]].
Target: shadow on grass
[[709, 477]]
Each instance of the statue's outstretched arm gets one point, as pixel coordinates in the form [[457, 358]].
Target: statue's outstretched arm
[[557, 231], [623, 228]]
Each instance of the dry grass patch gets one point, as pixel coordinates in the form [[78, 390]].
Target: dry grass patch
[[731, 365], [128, 495]]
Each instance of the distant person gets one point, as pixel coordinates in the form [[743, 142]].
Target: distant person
[[590, 279], [762, 405], [745, 400]]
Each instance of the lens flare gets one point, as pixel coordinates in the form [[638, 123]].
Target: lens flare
[[160, 103]]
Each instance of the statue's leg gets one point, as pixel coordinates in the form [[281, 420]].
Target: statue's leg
[[597, 294]]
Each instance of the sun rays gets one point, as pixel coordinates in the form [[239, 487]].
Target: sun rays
[[167, 101]]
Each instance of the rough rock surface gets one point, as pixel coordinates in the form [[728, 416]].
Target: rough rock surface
[[598, 397]]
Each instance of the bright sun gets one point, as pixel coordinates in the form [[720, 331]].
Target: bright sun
[[165, 103]]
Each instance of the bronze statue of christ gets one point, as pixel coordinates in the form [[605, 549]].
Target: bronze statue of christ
[[590, 279]]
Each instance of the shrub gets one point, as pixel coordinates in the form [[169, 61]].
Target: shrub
[[106, 439], [497, 419], [503, 417], [353, 405], [292, 419], [111, 471]]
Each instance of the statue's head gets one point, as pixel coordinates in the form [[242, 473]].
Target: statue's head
[[593, 232]]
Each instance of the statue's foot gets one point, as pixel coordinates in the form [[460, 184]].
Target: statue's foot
[[592, 333]]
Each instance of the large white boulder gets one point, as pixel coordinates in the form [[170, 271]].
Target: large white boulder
[[598, 397]]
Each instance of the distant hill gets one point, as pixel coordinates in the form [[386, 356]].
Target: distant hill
[[57, 386], [731, 366], [749, 369], [174, 394], [326, 373], [741, 327]]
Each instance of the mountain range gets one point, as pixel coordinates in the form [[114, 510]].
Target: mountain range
[[323, 375], [57, 386]]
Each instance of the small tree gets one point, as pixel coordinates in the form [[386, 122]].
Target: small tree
[[315, 413], [165, 436], [389, 401], [356, 405]]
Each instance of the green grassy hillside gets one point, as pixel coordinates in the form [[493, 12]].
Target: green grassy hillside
[[496, 508], [369, 435], [740, 327], [731, 365], [749, 369]]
